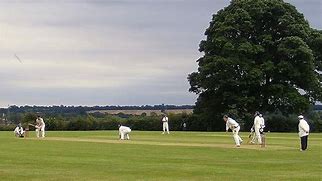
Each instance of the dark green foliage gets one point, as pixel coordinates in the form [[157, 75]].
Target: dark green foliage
[[258, 55], [276, 122], [315, 121], [280, 123], [56, 124], [195, 123], [29, 118]]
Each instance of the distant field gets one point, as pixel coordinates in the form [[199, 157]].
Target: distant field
[[99, 155], [140, 112]]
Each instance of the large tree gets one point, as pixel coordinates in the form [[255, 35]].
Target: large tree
[[258, 55]]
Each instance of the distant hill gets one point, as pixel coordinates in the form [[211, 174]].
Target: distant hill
[[81, 110], [140, 112]]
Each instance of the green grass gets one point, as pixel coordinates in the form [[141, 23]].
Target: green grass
[[99, 155]]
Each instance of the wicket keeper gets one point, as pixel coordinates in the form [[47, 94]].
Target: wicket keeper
[[19, 132]]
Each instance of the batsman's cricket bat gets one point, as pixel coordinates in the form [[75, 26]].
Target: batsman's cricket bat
[[249, 138], [32, 125]]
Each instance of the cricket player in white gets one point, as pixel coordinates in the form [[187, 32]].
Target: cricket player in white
[[257, 127], [19, 132], [304, 130], [124, 132], [234, 126], [165, 124], [261, 130], [40, 127], [262, 122]]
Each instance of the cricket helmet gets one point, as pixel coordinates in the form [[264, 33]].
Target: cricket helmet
[[256, 113]]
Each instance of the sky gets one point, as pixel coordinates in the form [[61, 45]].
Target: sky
[[112, 52]]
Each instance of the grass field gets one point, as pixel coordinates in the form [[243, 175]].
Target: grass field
[[98, 155]]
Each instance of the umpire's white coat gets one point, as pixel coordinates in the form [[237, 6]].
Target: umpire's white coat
[[304, 128]]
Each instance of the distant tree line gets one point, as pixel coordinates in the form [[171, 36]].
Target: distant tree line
[[81, 110]]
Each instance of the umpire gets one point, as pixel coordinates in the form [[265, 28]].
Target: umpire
[[304, 130]]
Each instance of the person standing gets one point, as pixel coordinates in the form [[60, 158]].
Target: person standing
[[234, 126], [304, 130], [124, 132], [262, 122], [257, 127], [40, 127], [261, 130], [165, 124], [184, 126]]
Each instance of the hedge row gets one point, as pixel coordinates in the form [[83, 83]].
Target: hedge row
[[274, 122]]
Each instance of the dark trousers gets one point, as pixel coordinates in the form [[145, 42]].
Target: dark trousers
[[304, 142]]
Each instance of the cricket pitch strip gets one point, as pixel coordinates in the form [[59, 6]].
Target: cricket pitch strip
[[156, 143]]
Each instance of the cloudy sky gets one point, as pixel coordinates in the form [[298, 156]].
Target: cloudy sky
[[112, 52]]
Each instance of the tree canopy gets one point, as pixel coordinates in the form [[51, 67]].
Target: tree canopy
[[258, 55]]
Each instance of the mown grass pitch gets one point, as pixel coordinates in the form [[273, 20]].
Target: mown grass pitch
[[99, 155]]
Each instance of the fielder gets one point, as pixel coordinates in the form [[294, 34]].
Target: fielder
[[19, 132], [257, 127], [124, 132], [234, 126], [184, 126], [40, 127], [165, 124], [304, 130]]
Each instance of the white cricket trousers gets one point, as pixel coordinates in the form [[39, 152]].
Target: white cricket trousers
[[236, 136], [42, 130], [166, 127], [258, 135], [125, 134]]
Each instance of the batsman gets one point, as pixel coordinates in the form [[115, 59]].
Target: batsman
[[40, 127], [261, 130]]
